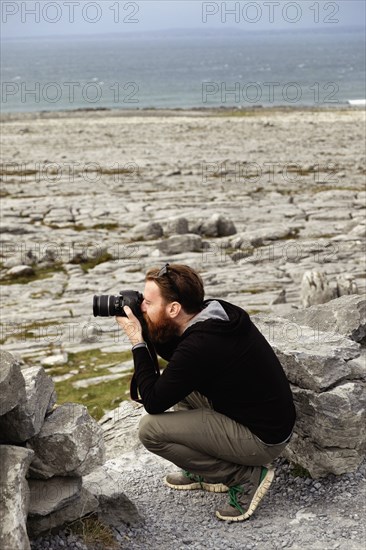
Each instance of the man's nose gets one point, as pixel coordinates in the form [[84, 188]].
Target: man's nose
[[143, 306]]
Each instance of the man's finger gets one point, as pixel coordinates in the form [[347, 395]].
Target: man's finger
[[127, 310]]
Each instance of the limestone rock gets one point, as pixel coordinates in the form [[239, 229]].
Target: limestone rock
[[48, 496], [312, 359], [181, 243], [346, 285], [217, 225], [327, 373], [20, 271], [176, 226], [315, 289], [148, 231], [70, 443], [114, 506], [14, 501], [345, 315], [55, 360], [334, 418], [12, 384], [280, 298], [117, 511], [120, 428], [271, 232], [86, 254], [328, 460], [83, 505], [26, 419]]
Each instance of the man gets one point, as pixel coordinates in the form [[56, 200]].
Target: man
[[234, 411]]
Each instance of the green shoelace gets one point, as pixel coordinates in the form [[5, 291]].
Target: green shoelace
[[234, 492], [237, 490], [193, 477]]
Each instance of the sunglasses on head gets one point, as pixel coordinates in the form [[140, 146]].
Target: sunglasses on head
[[165, 271]]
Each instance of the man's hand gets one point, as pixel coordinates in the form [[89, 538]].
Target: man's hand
[[131, 325]]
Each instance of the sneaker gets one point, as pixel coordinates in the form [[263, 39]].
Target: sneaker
[[187, 482], [243, 501]]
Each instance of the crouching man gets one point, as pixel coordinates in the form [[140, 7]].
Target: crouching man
[[233, 407]]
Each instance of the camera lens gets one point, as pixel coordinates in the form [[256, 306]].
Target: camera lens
[[107, 306], [104, 305]]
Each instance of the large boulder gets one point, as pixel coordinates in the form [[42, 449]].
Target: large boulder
[[260, 235], [12, 384], [176, 225], [120, 429], [70, 443], [14, 493], [147, 231], [345, 315], [115, 508], [315, 289], [48, 496], [85, 504], [26, 419], [176, 244], [327, 373], [216, 225]]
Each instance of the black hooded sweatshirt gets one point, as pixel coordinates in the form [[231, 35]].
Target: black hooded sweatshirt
[[229, 362]]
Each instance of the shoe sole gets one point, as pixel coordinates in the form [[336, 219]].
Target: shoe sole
[[210, 487], [258, 496]]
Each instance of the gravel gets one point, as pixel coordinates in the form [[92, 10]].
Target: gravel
[[297, 513]]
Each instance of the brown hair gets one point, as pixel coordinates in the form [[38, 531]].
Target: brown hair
[[179, 283]]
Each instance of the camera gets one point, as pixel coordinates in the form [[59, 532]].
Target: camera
[[108, 306]]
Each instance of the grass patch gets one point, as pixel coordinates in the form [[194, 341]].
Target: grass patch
[[14, 172], [111, 171], [240, 113], [252, 290], [40, 294], [98, 398], [92, 358], [90, 263], [34, 330], [38, 274], [107, 226], [93, 531]]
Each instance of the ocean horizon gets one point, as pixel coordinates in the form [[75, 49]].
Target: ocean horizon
[[184, 69]]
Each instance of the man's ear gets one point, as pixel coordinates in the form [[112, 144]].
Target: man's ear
[[174, 308]]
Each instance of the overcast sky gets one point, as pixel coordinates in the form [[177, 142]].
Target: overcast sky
[[84, 17]]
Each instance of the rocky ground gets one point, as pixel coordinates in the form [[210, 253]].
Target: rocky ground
[[297, 513], [253, 200], [91, 200]]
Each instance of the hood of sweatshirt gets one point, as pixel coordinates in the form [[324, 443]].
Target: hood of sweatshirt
[[219, 316]]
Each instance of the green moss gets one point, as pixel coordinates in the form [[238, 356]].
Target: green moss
[[87, 264], [240, 113], [111, 171], [98, 398], [38, 274], [40, 294], [299, 471], [107, 226], [90, 358], [15, 172]]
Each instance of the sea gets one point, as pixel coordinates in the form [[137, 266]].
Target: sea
[[184, 69]]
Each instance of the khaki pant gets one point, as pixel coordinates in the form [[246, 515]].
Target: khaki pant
[[207, 443]]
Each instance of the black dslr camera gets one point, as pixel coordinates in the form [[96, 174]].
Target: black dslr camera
[[108, 306]]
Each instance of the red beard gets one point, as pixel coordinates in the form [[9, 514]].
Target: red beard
[[162, 330]]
